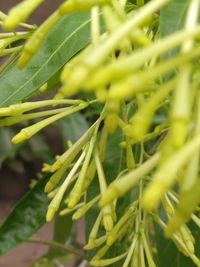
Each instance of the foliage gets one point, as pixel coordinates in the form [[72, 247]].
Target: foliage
[[128, 110]]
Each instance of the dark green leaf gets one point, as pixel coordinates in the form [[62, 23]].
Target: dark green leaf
[[7, 149], [72, 127], [38, 148], [25, 219], [172, 16], [114, 159], [68, 37], [167, 252], [62, 231]]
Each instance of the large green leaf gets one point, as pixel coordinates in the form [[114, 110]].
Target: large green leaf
[[172, 16], [25, 219], [69, 36], [167, 252]]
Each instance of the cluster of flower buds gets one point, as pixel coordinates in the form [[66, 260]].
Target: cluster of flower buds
[[127, 70]]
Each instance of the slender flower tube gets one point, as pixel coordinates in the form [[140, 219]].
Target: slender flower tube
[[98, 56], [84, 209], [105, 262], [71, 6], [28, 132], [119, 187], [77, 190], [25, 117], [20, 13], [19, 109], [165, 176], [55, 203], [33, 44], [93, 233], [128, 64], [181, 108]]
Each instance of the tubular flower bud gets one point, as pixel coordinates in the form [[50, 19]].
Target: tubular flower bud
[[20, 13], [33, 44], [71, 6]]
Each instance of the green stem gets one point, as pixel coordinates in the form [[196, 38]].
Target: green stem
[[6, 63], [11, 34], [8, 51], [67, 248]]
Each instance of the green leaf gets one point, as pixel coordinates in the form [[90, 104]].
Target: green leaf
[[68, 37], [7, 149], [72, 127], [25, 219], [37, 147], [167, 252], [172, 16], [114, 160], [62, 232]]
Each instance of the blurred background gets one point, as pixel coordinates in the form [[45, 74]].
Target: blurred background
[[18, 165]]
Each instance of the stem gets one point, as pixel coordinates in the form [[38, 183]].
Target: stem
[[8, 121], [130, 252], [28, 26], [67, 248], [11, 50], [11, 34], [5, 64], [140, 187], [95, 30], [140, 3]]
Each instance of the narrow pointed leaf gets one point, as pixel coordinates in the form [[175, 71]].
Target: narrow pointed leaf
[[67, 38]]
